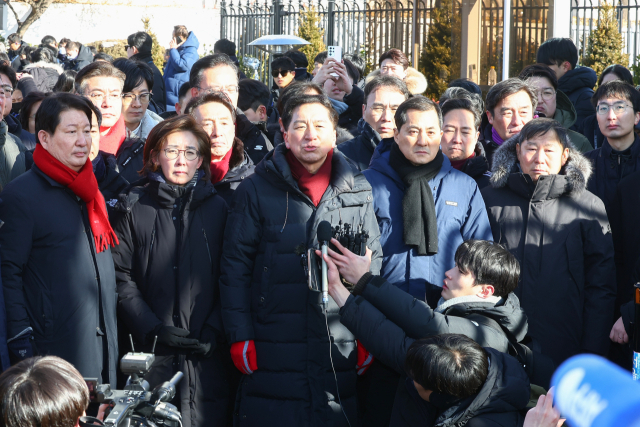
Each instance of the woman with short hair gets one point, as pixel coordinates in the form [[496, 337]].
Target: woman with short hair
[[170, 225]]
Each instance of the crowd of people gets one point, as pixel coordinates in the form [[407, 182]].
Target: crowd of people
[[476, 242]]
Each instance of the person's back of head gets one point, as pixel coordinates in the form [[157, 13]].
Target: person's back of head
[[42, 54], [64, 41], [358, 62], [104, 57], [321, 57], [466, 84], [141, 41], [225, 46], [298, 58], [448, 364], [42, 392], [49, 40], [5, 58], [66, 81], [180, 32], [253, 94], [556, 51], [615, 72]]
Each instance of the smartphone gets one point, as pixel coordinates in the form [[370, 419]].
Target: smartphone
[[178, 39], [335, 52]]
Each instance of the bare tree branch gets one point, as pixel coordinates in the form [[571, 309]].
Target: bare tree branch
[[38, 7], [14, 12]]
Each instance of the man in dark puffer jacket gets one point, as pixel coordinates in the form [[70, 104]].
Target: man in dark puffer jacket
[[274, 319]]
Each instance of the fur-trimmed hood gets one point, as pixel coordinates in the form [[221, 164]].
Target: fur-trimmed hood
[[416, 81], [43, 64], [576, 171]]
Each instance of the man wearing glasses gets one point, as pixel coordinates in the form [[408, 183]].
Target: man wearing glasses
[[218, 73], [617, 110], [553, 103], [12, 151]]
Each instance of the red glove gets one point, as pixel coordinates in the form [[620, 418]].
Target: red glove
[[243, 354], [365, 359]]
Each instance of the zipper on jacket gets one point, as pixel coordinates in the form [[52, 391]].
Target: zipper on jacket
[[153, 239], [206, 242]]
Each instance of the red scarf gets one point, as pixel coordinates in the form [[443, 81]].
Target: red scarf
[[313, 185], [458, 164], [110, 142], [85, 186], [220, 169]]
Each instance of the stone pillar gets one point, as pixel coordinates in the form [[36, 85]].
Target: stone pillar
[[471, 39]]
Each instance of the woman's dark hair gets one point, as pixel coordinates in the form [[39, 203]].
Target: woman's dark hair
[[48, 115], [449, 364], [42, 392], [617, 89], [66, 81], [490, 263], [298, 101], [136, 72], [42, 54], [419, 103], [293, 90], [27, 104], [157, 139], [620, 72], [540, 70]]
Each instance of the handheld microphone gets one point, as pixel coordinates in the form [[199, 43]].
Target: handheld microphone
[[324, 236], [167, 391], [593, 392]]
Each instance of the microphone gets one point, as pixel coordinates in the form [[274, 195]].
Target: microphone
[[593, 392], [324, 236], [167, 391]]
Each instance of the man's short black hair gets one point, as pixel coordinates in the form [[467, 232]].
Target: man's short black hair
[[10, 73], [283, 63], [14, 38], [389, 82], [141, 41], [489, 262], [352, 71], [467, 104], [622, 73], [184, 89], [357, 61], [43, 54], [542, 126], [299, 101], [208, 98], [136, 72], [207, 62], [539, 70], [321, 57], [506, 88], [466, 84], [48, 115], [103, 57], [225, 46], [252, 94], [49, 40], [617, 89], [295, 89], [556, 51], [298, 58], [449, 364], [419, 103]]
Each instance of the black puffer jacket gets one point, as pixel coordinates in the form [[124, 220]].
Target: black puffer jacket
[[499, 402], [486, 139], [110, 182], [84, 58], [130, 157], [240, 167], [477, 167], [609, 168], [360, 149], [578, 85], [167, 270], [560, 234], [266, 297], [53, 279], [256, 144], [45, 75]]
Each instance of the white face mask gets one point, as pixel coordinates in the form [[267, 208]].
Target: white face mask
[[62, 51], [72, 56]]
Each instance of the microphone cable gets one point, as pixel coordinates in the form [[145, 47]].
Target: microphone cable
[[335, 377]]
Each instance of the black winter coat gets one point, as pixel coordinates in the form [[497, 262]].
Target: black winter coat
[[167, 269], [360, 149], [609, 168], [477, 167], [110, 182], [266, 297], [53, 279], [486, 139], [256, 144], [84, 58], [45, 75], [130, 157], [239, 170], [158, 81], [578, 85], [560, 234], [350, 118]]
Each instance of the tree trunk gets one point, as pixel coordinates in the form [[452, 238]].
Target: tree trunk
[[38, 7]]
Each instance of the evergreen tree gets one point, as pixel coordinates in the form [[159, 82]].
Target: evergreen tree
[[605, 43], [309, 29], [157, 51]]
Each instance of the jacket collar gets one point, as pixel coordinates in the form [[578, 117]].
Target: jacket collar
[[606, 148], [506, 171], [370, 137], [478, 164]]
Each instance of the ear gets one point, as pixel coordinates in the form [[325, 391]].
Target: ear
[[45, 139], [194, 92], [154, 158], [178, 108], [262, 113], [396, 133], [565, 156], [485, 291], [490, 117], [518, 152], [364, 107], [293, 73], [637, 118], [281, 125], [200, 162], [285, 134], [566, 66]]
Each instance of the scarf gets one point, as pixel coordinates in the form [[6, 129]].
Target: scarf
[[219, 169], [496, 138], [85, 186], [418, 206], [110, 142], [459, 164], [313, 185], [339, 106]]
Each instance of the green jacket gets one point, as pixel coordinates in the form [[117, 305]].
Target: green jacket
[[12, 156], [566, 115]]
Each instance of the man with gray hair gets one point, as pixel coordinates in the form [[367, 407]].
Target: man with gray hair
[[218, 73], [509, 106], [383, 95]]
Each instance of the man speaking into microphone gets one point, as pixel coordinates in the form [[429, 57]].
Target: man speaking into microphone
[[300, 363]]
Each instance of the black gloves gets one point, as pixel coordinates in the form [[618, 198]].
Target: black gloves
[[176, 337], [208, 341], [20, 348]]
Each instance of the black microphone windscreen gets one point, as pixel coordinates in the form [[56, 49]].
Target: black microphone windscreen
[[324, 231]]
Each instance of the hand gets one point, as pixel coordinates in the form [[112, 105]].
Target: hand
[[351, 266], [544, 414], [243, 354], [102, 409], [173, 43], [176, 337], [325, 72], [336, 289], [20, 349], [365, 359], [343, 82], [208, 341], [618, 333]]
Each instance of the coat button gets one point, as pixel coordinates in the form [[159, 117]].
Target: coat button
[[175, 267], [261, 299], [265, 269], [174, 218], [242, 177], [175, 206]]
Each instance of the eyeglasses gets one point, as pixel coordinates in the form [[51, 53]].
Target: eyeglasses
[[618, 108], [226, 89], [8, 90], [99, 97], [144, 98], [547, 94], [276, 73], [173, 153]]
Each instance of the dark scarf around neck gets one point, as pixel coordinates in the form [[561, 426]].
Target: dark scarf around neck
[[418, 206]]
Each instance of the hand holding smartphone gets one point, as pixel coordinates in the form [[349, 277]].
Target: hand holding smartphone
[[335, 52]]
